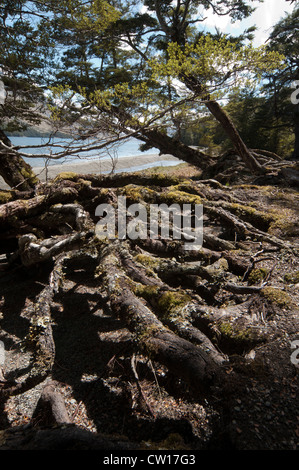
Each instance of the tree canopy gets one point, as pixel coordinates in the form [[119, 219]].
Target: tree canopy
[[119, 69]]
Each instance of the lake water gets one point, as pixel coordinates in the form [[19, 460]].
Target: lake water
[[129, 148]]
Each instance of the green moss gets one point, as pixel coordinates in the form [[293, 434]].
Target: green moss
[[28, 174], [132, 192], [257, 275], [84, 183], [292, 278], [184, 186], [160, 177], [226, 329], [278, 297], [180, 197], [240, 337], [65, 175], [147, 292], [136, 193], [279, 220], [252, 215], [283, 226], [5, 196], [147, 260], [171, 300], [169, 304]]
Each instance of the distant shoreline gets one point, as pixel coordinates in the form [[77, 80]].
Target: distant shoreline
[[130, 163]]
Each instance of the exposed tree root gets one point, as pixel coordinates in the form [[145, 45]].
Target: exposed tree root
[[190, 311], [181, 357], [51, 403], [64, 437]]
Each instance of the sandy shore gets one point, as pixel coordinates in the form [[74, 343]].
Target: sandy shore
[[104, 166]]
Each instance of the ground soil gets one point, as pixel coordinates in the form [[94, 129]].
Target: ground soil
[[94, 351]]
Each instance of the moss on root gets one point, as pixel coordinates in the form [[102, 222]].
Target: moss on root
[[257, 275], [179, 197], [147, 292], [161, 176], [29, 175], [238, 339], [283, 226], [65, 175], [5, 196], [278, 297], [170, 304], [171, 301], [136, 193], [146, 260], [258, 218]]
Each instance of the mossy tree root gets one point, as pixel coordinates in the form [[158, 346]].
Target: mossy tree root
[[184, 359]]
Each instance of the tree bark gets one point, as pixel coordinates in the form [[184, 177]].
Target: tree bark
[[64, 437], [162, 141], [185, 360], [167, 144], [13, 169], [51, 406], [296, 131], [228, 126]]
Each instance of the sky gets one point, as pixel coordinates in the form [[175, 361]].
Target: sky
[[266, 15]]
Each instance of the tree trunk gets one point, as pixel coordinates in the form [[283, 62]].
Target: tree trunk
[[228, 126], [13, 169], [162, 141], [167, 144], [296, 131], [224, 120]]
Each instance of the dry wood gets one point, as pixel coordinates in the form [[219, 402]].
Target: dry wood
[[179, 319], [185, 360], [32, 251]]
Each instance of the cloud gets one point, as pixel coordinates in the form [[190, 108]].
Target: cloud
[[220, 22], [265, 16]]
